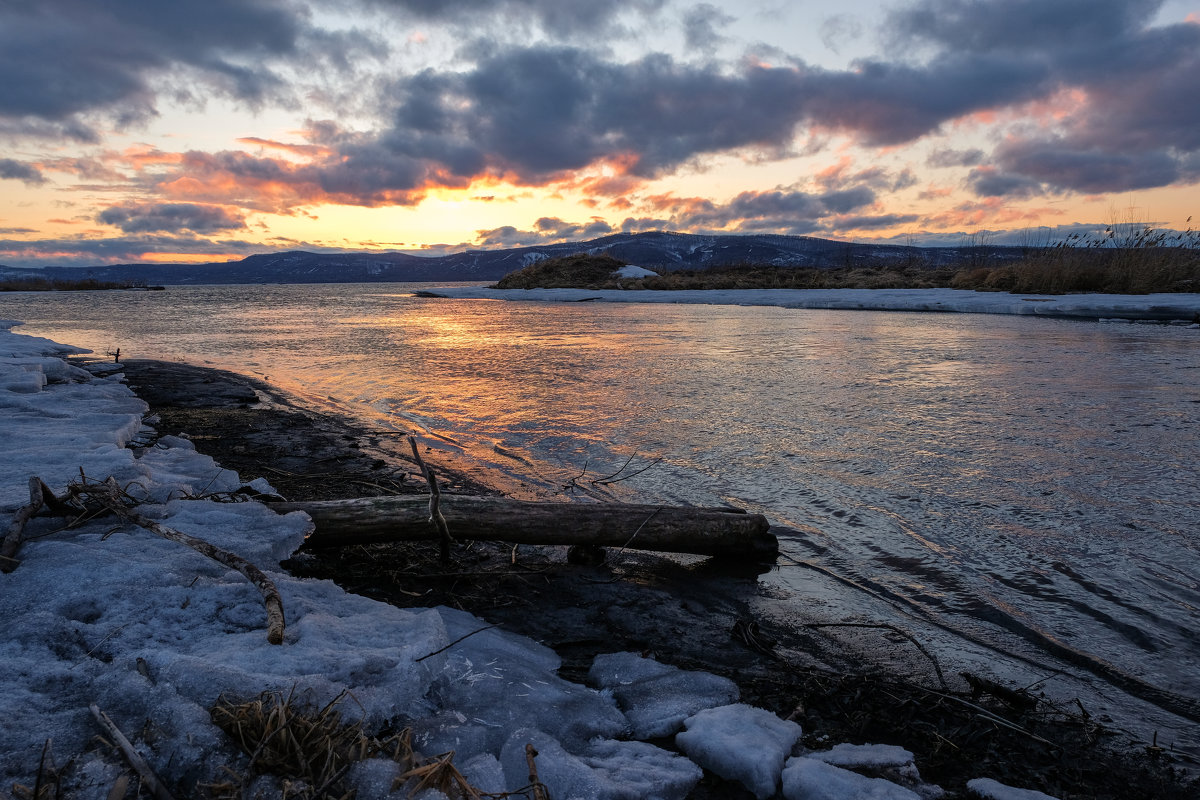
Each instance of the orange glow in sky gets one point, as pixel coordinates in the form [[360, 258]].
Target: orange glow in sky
[[376, 130]]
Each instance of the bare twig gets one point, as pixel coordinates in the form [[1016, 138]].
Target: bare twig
[[149, 780], [435, 496], [628, 461], [456, 641], [613, 479], [571, 484], [639, 529]]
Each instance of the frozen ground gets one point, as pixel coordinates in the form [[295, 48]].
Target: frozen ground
[[1088, 306], [153, 633]]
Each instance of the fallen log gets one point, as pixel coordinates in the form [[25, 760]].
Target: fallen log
[[671, 529]]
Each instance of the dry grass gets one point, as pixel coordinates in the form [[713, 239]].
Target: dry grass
[[312, 749], [580, 270]]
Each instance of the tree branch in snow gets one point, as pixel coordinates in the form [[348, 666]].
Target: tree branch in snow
[[16, 529], [150, 781], [110, 495]]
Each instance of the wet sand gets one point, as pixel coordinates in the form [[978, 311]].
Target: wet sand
[[689, 612]]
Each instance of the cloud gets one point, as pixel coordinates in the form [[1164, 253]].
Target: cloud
[[949, 157], [981, 26], [700, 25], [780, 211], [65, 60], [172, 218], [560, 17], [555, 228], [991, 182], [840, 29], [82, 251], [1132, 129], [1065, 165], [508, 236], [18, 171], [876, 222], [546, 230]]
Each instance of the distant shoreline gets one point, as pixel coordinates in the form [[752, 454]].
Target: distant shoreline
[[1162, 307]]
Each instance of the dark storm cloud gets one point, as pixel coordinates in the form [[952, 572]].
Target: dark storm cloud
[[62, 58], [18, 171], [172, 218]]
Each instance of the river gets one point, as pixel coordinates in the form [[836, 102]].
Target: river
[[1021, 494]]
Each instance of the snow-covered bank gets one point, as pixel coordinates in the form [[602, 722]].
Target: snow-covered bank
[[153, 634], [1087, 306]]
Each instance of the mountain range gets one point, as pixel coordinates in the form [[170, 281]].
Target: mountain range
[[660, 251]]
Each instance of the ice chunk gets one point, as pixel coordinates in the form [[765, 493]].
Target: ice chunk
[[484, 773], [565, 776], [55, 369], [865, 755], [742, 743], [614, 669], [994, 790], [810, 779], [501, 681], [372, 778], [23, 379], [657, 698], [641, 771]]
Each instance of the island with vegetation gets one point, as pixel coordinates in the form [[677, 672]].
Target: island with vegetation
[[1147, 261]]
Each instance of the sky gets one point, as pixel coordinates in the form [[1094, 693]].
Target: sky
[[207, 130]]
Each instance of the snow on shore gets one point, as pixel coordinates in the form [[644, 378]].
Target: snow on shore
[[153, 633], [1087, 306]]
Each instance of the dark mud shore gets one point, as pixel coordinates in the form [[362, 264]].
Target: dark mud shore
[[693, 616]]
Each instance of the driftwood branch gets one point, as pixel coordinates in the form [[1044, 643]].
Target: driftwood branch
[[16, 529], [435, 497], [535, 785], [109, 494], [149, 780], [728, 533]]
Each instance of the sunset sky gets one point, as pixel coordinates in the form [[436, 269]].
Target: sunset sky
[[203, 130]]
